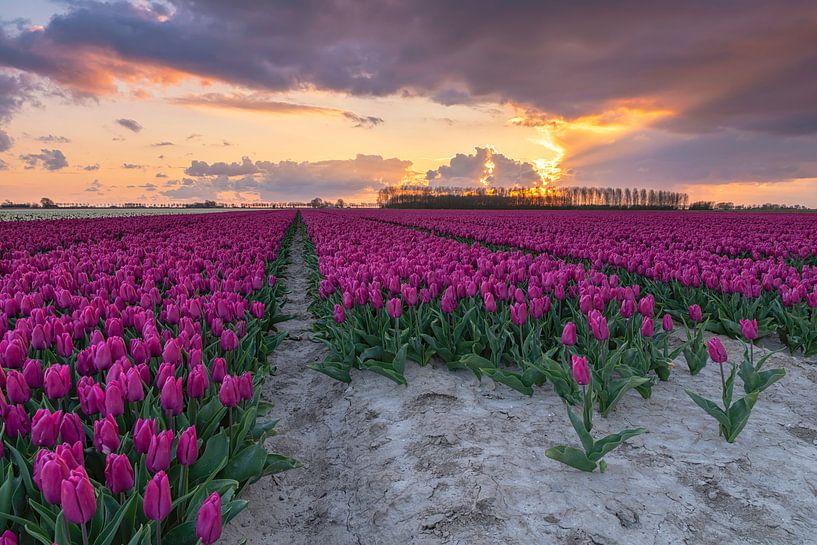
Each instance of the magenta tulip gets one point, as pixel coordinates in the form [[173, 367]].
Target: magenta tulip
[[208, 520], [106, 435], [229, 394], [569, 334], [119, 475], [78, 497], [749, 329], [716, 350], [157, 503], [581, 372], [158, 454], [187, 451]]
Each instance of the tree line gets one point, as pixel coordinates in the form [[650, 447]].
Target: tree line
[[501, 197]]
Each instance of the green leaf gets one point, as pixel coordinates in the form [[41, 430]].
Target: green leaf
[[277, 463], [571, 456], [508, 378], [246, 464], [214, 458], [578, 425], [739, 415], [333, 370], [60, 535], [710, 407], [617, 388], [612, 441], [108, 533], [385, 369], [181, 534]]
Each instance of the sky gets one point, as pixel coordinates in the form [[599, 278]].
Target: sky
[[285, 100]]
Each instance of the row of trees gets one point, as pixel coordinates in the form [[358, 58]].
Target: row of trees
[[567, 197]]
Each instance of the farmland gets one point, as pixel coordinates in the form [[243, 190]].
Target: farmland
[[382, 376]]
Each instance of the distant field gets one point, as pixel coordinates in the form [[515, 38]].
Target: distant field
[[69, 213]]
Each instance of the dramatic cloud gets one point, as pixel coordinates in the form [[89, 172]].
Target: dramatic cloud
[[3, 165], [5, 140], [752, 70], [50, 159], [260, 103], [201, 168], [130, 124], [289, 180], [485, 167]]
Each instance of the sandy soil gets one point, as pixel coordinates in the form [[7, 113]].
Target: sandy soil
[[449, 460]]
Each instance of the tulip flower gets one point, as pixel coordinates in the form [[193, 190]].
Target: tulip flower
[[229, 394], [143, 432], [78, 497], [208, 520], [45, 427], [569, 334], [187, 451], [394, 307], [519, 313], [581, 372], [17, 389], [33, 373], [339, 314], [114, 400], [749, 329], [157, 503], [57, 381], [134, 385], [598, 325], [171, 397], [16, 420], [106, 435], [197, 382], [627, 308], [119, 476], [218, 369], [10, 538], [49, 472], [489, 302], [158, 454], [245, 386], [72, 454], [666, 323], [716, 350], [695, 313], [647, 327], [228, 340], [71, 429]]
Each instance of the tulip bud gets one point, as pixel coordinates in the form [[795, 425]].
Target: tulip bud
[[157, 504], [229, 394], [208, 521], [158, 454], [394, 307], [569, 334], [45, 427], [647, 327], [489, 302], [33, 373], [339, 314], [172, 398], [627, 308], [197, 382], [57, 381], [16, 420], [17, 389], [49, 472], [519, 313], [598, 325], [10, 538], [218, 369], [114, 400], [78, 497], [71, 429], [245, 386], [695, 313], [581, 372], [749, 329], [667, 323], [187, 451], [119, 475], [72, 454], [228, 340], [106, 435], [716, 350], [143, 432]]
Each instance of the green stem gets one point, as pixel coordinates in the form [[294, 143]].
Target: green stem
[[84, 534]]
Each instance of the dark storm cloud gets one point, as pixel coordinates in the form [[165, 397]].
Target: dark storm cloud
[[49, 159], [130, 124], [564, 58]]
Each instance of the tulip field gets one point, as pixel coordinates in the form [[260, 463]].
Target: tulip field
[[133, 350]]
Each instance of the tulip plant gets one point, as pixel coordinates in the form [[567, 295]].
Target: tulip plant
[[734, 415], [591, 455], [130, 363]]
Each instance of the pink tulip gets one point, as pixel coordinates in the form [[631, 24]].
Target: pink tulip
[[172, 398], [71, 429], [208, 520], [158, 454], [716, 350], [45, 427], [143, 432], [229, 394], [569, 334], [106, 435], [78, 497], [581, 372], [187, 451], [119, 475], [157, 503], [57, 381], [749, 329]]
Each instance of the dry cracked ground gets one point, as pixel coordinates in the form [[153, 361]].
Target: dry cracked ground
[[450, 460]]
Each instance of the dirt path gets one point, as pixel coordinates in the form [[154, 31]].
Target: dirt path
[[447, 460]]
